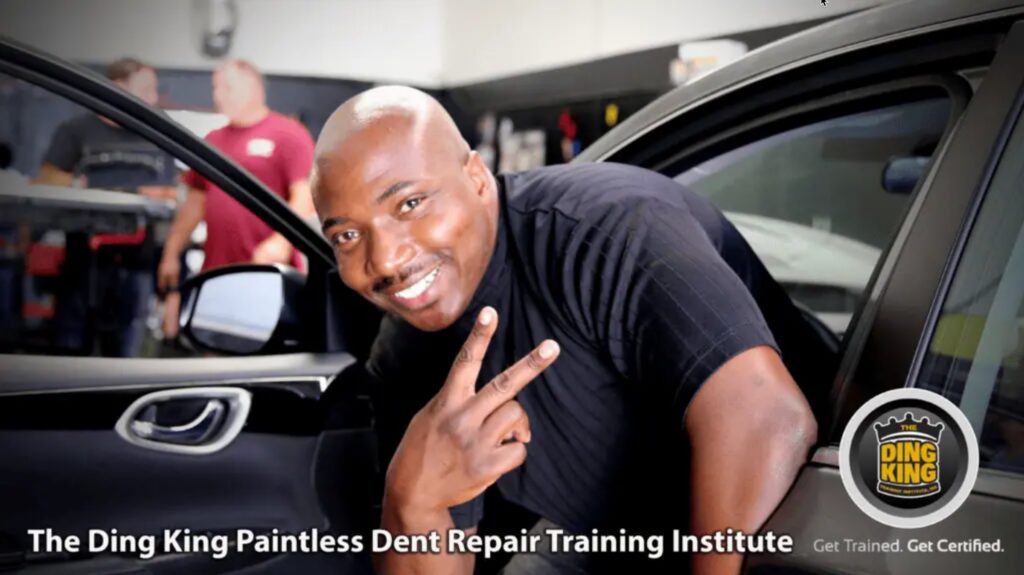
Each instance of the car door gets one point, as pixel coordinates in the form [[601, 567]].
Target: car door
[[805, 157], [134, 446], [943, 315]]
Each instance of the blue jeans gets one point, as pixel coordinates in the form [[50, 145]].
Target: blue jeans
[[109, 305]]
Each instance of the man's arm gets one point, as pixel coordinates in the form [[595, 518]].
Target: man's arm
[[277, 249], [397, 520], [750, 429], [62, 155]]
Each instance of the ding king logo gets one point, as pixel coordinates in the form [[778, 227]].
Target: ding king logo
[[908, 457]]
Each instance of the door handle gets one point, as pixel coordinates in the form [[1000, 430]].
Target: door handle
[[217, 425], [194, 432]]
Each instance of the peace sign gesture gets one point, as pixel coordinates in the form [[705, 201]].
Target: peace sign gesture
[[463, 440]]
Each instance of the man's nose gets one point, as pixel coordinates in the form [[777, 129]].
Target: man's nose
[[389, 253]]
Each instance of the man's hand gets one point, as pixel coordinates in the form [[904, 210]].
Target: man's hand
[[168, 273], [187, 217], [462, 441], [458, 445], [273, 250]]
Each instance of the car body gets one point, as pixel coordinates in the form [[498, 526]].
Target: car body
[[65, 465]]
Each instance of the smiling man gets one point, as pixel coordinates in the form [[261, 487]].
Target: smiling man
[[602, 314]]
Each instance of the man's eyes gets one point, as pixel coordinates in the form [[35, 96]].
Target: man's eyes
[[344, 237], [410, 204]]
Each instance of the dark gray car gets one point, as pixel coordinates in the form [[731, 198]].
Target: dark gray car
[[875, 163]]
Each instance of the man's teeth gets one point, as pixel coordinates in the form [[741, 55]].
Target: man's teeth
[[417, 289]]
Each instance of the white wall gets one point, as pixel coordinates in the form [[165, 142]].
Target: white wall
[[378, 40], [423, 42], [485, 40]]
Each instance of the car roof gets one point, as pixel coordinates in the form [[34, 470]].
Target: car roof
[[867, 27]]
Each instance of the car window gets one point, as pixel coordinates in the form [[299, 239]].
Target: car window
[[819, 203], [85, 206], [975, 356]]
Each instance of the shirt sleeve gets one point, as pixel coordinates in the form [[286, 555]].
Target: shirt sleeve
[[296, 154], [65, 149], [193, 180], [661, 300], [468, 514]]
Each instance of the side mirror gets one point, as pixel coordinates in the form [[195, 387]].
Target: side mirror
[[900, 175], [243, 309]]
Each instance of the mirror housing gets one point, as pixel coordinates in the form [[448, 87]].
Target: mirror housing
[[243, 309], [901, 175]]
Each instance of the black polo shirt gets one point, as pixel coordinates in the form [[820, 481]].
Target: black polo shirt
[[648, 290]]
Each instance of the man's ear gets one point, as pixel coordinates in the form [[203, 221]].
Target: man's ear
[[478, 173]]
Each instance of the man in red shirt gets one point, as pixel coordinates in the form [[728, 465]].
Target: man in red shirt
[[274, 148]]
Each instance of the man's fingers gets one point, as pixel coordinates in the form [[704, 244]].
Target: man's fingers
[[507, 422], [508, 383], [507, 457], [466, 368]]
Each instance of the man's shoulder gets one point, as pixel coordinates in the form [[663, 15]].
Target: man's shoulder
[[217, 135], [581, 191], [284, 126]]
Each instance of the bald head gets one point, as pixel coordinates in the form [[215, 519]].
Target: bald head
[[402, 198], [391, 115]]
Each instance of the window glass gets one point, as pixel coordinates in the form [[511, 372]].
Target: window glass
[[820, 202], [85, 207], [976, 354]]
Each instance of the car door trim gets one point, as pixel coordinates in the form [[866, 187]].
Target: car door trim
[[33, 375], [1013, 116], [992, 482], [689, 106], [851, 101]]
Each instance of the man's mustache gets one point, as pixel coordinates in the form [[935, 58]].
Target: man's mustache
[[404, 274]]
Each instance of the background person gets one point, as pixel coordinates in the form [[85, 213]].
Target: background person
[[276, 149], [92, 151], [104, 155]]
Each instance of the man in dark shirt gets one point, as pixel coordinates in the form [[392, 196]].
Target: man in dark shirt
[[107, 156], [109, 287], [668, 406]]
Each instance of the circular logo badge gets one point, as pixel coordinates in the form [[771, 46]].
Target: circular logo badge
[[908, 458]]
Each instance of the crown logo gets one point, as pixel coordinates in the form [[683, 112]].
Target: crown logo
[[908, 428]]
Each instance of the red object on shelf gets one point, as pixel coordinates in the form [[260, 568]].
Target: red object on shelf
[[44, 260], [132, 239]]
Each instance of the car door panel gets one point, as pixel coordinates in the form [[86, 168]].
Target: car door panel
[[302, 457], [886, 351], [818, 511], [300, 462]]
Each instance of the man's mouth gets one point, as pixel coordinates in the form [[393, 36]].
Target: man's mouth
[[415, 295]]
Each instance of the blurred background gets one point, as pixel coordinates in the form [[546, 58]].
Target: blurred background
[[529, 83], [534, 80]]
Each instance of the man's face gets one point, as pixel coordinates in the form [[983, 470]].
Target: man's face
[[230, 91], [143, 85], [410, 228]]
